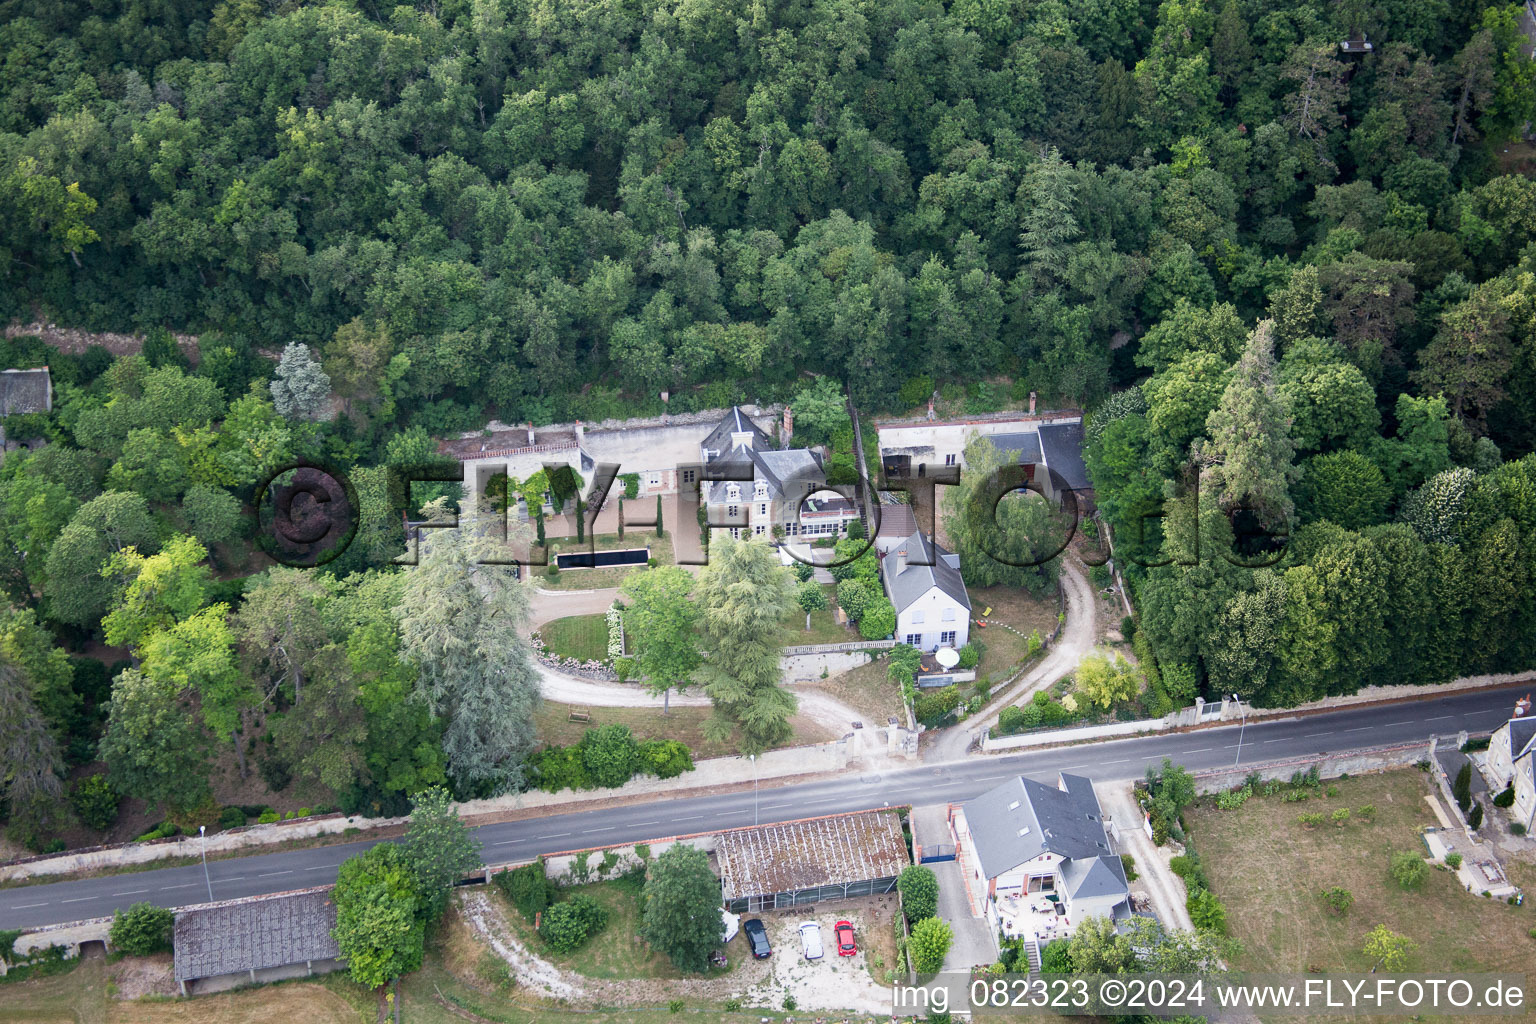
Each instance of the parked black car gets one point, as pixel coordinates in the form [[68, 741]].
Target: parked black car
[[757, 937]]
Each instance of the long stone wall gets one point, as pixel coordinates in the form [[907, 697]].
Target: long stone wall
[[1329, 766]]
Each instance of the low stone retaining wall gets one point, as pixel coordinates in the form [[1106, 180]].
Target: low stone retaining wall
[[1046, 737], [67, 936], [123, 854], [720, 771], [1329, 766]]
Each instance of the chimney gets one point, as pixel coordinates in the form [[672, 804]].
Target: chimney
[[789, 425], [530, 435], [901, 561], [1031, 403], [930, 410], [581, 433]]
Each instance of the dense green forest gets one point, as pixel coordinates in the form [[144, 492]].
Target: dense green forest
[[1287, 283]]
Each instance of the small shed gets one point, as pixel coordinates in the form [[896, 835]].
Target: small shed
[[266, 938], [815, 860]]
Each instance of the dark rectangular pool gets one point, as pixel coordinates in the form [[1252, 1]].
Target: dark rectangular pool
[[603, 559]]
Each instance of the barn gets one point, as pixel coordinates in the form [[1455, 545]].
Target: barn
[[267, 938], [813, 860]]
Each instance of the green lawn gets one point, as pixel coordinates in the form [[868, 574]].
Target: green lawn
[[1269, 870], [584, 637], [824, 628], [1006, 650], [616, 951]]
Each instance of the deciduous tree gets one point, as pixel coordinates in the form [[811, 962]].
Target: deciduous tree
[[662, 623], [680, 907]]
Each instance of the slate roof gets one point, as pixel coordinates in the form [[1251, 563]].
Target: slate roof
[[1100, 876], [23, 391], [1026, 444], [245, 935], [1062, 444], [797, 466], [734, 422], [797, 855], [914, 581], [1066, 822], [1521, 731]]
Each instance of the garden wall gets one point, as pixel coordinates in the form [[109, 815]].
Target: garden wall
[[1329, 766]]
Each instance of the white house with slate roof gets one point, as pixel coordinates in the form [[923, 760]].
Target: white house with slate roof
[[923, 582], [1037, 859], [1512, 761], [753, 487]]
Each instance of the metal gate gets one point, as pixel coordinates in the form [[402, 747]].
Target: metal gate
[[937, 853]]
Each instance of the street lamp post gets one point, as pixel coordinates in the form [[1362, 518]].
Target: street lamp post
[[753, 758], [1240, 729], [202, 830]]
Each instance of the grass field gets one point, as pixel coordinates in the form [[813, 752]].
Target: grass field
[[584, 637], [86, 995], [1269, 870], [616, 951]]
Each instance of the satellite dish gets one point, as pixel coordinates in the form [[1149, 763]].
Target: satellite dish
[[947, 657]]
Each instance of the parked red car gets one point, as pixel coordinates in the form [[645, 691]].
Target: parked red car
[[845, 943]]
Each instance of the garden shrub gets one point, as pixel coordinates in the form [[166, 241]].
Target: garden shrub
[[665, 759], [231, 817], [1453, 861], [1506, 797], [1338, 899], [527, 888], [1461, 789], [919, 889], [570, 923], [1407, 869], [142, 929], [931, 707], [609, 754], [95, 802], [1206, 912]]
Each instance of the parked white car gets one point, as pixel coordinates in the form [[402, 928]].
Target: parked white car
[[810, 940]]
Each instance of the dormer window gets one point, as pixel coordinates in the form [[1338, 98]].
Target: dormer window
[[761, 490], [733, 492]]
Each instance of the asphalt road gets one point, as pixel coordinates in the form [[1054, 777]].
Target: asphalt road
[[1266, 740]]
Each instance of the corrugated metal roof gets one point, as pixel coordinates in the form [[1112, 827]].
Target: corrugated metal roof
[[23, 391], [805, 854], [245, 935]]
